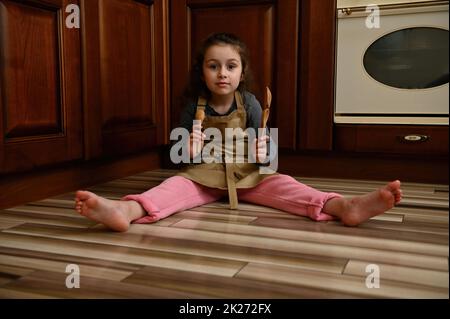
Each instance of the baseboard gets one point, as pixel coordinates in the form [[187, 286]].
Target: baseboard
[[35, 185], [367, 167]]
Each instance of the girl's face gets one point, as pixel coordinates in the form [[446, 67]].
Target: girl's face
[[222, 69]]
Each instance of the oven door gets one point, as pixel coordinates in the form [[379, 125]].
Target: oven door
[[393, 70]]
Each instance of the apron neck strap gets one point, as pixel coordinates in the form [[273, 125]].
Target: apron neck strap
[[201, 102], [239, 100]]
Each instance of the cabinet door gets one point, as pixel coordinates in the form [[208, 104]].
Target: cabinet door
[[40, 99], [270, 30], [125, 75], [317, 47]]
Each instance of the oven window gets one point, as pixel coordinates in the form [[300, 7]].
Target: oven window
[[413, 58]]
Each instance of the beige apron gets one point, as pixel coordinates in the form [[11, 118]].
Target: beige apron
[[224, 175]]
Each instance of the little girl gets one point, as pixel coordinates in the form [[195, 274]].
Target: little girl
[[219, 79]]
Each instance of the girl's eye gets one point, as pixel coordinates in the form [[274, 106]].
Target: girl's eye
[[212, 66], [231, 66]]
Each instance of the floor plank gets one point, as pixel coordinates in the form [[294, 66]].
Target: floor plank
[[53, 284], [58, 266], [400, 273], [340, 283], [117, 253], [316, 237], [190, 248], [219, 287]]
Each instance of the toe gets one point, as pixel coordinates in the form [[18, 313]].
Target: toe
[[393, 186], [83, 195], [80, 195]]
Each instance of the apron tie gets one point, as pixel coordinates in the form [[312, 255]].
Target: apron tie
[[231, 185]]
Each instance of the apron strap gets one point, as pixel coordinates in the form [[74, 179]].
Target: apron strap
[[231, 185], [239, 101]]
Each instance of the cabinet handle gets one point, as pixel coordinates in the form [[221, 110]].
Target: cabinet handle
[[414, 138]]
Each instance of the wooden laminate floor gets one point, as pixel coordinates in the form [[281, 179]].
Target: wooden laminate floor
[[214, 252]]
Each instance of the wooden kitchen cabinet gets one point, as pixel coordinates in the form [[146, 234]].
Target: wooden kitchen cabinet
[[40, 86], [125, 67], [80, 106], [75, 94]]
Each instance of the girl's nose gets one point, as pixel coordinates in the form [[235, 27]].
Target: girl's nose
[[222, 73]]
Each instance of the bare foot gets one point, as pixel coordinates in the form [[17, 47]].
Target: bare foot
[[116, 215], [353, 212]]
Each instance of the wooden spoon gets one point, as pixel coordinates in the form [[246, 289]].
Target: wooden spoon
[[265, 111], [200, 114], [266, 107]]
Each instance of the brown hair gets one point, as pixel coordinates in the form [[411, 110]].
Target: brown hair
[[197, 86]]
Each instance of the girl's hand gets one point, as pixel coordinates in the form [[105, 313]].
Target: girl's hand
[[260, 148], [197, 140]]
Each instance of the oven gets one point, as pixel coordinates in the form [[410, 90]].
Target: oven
[[392, 62]]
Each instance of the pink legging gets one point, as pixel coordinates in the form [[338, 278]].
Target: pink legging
[[280, 191]]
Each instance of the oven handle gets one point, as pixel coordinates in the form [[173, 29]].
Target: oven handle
[[404, 8]]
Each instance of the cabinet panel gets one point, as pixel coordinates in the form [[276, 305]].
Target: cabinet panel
[[40, 118], [126, 64], [31, 71], [126, 75], [125, 49], [317, 47], [269, 28]]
